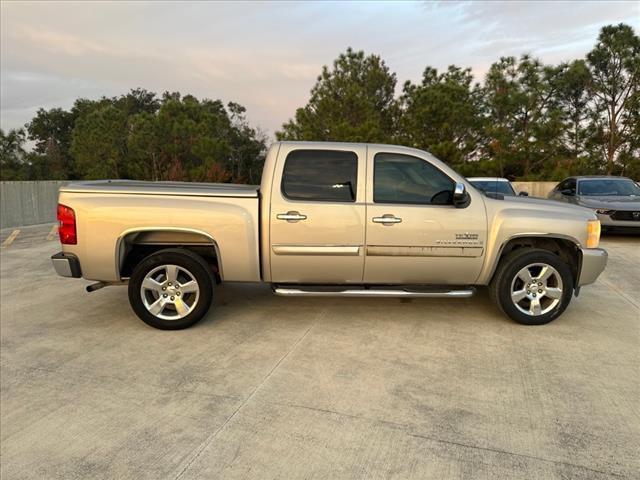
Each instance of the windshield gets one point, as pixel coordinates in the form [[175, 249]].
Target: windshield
[[602, 187], [493, 186]]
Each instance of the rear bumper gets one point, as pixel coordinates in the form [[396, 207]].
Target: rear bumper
[[66, 265], [593, 262]]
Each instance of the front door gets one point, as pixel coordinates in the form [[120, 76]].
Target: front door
[[414, 233], [317, 218]]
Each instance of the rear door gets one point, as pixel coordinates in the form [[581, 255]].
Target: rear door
[[317, 215], [414, 233]]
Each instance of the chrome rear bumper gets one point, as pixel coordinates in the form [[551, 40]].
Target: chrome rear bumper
[[66, 265]]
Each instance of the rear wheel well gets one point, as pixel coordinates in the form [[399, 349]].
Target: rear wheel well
[[135, 247], [567, 250]]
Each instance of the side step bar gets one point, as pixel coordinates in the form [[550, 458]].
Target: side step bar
[[373, 292]]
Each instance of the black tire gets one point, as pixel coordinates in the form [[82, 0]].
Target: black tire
[[501, 284], [195, 266]]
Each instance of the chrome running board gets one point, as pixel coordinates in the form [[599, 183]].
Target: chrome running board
[[310, 291]]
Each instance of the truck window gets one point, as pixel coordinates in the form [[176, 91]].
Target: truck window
[[320, 176], [405, 179]]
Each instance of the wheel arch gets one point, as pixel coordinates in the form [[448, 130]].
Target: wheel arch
[[136, 243], [566, 247]]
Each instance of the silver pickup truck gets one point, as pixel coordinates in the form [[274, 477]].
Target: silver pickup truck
[[329, 219]]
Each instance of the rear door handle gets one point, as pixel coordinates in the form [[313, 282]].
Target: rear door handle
[[387, 219], [291, 217]]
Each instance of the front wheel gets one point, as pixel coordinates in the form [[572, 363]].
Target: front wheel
[[532, 286], [171, 289]]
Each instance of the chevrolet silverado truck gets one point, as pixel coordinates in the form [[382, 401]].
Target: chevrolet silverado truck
[[329, 219]]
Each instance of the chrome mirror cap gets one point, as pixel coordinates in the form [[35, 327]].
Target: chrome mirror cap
[[461, 198]]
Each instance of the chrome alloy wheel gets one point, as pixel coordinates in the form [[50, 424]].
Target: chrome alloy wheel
[[169, 292], [536, 289]]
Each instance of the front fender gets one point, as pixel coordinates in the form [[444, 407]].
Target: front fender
[[513, 223]]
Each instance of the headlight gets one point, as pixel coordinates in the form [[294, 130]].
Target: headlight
[[604, 211], [593, 233]]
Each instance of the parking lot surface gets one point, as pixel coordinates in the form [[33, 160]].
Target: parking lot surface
[[270, 387]]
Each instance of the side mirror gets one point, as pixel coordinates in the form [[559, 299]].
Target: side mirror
[[568, 192], [461, 197], [523, 194]]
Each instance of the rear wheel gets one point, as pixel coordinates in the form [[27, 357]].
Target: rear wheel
[[532, 286], [171, 289]]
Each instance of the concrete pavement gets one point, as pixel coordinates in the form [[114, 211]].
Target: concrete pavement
[[271, 387]]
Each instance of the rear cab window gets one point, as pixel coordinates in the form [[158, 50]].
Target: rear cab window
[[320, 176]]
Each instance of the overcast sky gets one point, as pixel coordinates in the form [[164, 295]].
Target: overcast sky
[[266, 56]]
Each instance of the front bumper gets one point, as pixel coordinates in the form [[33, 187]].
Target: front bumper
[[66, 265], [593, 262], [606, 221]]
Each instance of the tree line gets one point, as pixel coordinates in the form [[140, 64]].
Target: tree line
[[527, 121], [137, 136]]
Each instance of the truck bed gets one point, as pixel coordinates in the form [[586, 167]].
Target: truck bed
[[164, 188], [112, 215]]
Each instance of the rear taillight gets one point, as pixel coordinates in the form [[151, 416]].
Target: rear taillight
[[67, 225]]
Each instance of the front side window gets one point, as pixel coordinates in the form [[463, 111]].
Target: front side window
[[399, 178], [320, 176], [570, 185]]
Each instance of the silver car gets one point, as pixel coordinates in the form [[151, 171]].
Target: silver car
[[616, 200]]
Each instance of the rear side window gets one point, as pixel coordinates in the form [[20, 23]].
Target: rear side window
[[320, 176]]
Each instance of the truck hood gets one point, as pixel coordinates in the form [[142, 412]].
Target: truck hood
[[629, 202], [541, 204]]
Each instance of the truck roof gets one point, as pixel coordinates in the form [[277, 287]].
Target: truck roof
[[329, 145]]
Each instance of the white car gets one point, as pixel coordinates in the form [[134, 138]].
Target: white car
[[495, 186]]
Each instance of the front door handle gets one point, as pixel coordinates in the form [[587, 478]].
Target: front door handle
[[291, 217], [387, 219]]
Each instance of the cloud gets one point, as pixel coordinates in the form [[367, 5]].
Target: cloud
[[266, 56], [57, 42]]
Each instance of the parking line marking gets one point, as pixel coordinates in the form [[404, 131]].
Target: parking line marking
[[620, 292], [10, 238], [52, 232]]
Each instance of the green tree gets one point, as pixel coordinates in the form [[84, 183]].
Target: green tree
[[195, 140], [248, 146], [144, 144], [629, 158], [523, 119], [352, 102], [138, 100], [13, 165], [573, 97], [192, 137], [98, 143], [51, 131], [442, 115], [615, 72]]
